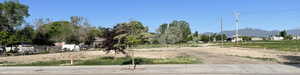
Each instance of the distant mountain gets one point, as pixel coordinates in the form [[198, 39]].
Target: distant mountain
[[294, 32], [258, 32]]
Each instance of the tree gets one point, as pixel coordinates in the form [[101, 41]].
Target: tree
[[205, 38], [246, 38], [26, 34], [6, 38], [288, 37], [82, 28], [219, 37], [283, 33], [12, 14], [3, 38], [54, 32], [175, 32], [123, 35], [93, 33]]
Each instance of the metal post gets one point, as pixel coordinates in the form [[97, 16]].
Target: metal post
[[222, 37]]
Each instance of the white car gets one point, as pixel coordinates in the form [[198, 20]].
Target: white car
[[70, 47]]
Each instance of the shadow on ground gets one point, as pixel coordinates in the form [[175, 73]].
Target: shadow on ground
[[292, 60]]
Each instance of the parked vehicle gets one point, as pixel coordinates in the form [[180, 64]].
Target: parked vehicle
[[70, 47], [21, 48], [25, 49]]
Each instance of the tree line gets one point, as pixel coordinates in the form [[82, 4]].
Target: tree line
[[78, 30]]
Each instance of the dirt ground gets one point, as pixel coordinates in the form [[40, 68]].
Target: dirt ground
[[207, 54]]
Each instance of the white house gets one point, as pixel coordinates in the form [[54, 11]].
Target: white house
[[276, 38], [296, 38], [70, 47], [236, 39], [256, 39]]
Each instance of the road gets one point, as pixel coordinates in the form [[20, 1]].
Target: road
[[182, 69]]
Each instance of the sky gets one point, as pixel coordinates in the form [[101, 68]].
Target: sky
[[202, 15]]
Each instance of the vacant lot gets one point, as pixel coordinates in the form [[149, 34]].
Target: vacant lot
[[204, 53]]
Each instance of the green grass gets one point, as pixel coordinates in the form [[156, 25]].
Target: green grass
[[284, 45], [115, 61]]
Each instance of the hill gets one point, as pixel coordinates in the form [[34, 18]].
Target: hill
[[258, 32]]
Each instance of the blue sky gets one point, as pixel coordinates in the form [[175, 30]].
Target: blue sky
[[201, 14]]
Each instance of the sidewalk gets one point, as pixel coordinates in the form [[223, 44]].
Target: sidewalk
[[190, 69]]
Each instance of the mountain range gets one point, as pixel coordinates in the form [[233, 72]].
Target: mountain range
[[258, 32]]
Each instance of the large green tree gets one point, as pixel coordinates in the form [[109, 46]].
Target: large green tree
[[124, 35], [283, 33], [26, 34], [54, 32], [175, 32], [12, 14]]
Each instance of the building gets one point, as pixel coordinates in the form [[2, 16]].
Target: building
[[98, 42], [277, 38], [296, 37], [60, 44], [236, 39], [256, 38]]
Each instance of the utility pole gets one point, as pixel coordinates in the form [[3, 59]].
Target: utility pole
[[222, 37], [237, 20]]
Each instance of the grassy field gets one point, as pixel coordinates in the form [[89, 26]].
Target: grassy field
[[284, 45], [112, 61]]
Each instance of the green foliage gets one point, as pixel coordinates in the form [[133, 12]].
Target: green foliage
[[288, 37], [246, 38], [12, 14], [7, 38], [58, 31], [26, 34], [4, 38], [221, 37], [124, 35], [133, 40], [175, 32], [213, 37], [283, 33], [93, 33], [205, 38]]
